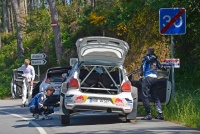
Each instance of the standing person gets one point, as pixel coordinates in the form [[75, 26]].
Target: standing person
[[29, 74], [39, 105], [149, 84]]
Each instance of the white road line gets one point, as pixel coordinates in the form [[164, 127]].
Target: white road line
[[174, 131], [39, 128]]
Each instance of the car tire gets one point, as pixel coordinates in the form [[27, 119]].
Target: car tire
[[19, 92], [65, 119]]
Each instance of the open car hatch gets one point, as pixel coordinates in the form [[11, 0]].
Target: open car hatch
[[102, 50]]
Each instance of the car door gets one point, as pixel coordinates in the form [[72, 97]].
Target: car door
[[163, 87]]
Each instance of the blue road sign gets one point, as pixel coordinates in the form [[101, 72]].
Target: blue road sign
[[172, 21]]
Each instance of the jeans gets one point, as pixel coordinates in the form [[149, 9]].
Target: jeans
[[149, 86], [35, 110]]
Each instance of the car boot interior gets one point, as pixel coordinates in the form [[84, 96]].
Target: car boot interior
[[103, 82]]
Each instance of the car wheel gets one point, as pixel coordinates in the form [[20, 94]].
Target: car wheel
[[65, 119]]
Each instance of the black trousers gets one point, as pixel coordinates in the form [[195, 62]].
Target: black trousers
[[149, 86], [35, 110]]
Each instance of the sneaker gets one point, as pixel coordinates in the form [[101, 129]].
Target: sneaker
[[23, 105], [36, 116], [46, 117], [147, 117], [160, 117]]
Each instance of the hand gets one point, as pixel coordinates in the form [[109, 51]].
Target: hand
[[45, 107], [164, 68], [141, 79], [31, 83], [23, 75]]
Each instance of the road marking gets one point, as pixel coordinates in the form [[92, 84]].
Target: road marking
[[189, 131], [39, 128]]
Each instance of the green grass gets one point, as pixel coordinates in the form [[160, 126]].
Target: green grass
[[184, 109]]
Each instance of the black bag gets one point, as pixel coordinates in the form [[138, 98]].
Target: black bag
[[36, 89]]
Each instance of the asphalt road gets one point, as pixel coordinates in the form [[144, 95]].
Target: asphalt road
[[17, 120]]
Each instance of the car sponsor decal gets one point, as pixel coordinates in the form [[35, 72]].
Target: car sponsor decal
[[80, 98], [117, 101]]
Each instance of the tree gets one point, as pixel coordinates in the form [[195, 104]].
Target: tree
[[16, 10], [56, 30], [5, 16]]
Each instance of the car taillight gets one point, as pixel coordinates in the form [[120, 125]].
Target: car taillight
[[73, 83], [126, 87], [47, 80]]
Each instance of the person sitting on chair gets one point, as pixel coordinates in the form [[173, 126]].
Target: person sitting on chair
[[39, 105]]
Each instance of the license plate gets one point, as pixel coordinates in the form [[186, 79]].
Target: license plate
[[57, 87], [95, 100]]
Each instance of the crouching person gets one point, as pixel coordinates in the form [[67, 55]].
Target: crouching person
[[39, 105]]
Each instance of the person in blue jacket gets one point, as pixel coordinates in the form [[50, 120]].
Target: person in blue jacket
[[39, 105], [149, 67]]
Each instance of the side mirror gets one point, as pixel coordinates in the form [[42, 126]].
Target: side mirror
[[73, 61]]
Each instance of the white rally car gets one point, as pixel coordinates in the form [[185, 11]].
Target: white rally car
[[98, 81]]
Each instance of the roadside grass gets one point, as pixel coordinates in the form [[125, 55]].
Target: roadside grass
[[184, 108]]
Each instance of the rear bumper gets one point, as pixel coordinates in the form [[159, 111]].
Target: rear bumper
[[78, 101], [78, 108]]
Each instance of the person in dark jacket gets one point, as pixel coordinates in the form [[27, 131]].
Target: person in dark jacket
[[39, 105], [149, 67]]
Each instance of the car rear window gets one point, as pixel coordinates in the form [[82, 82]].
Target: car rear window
[[55, 76]]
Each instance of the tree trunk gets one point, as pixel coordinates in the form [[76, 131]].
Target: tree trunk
[[31, 5], [56, 30], [35, 4], [12, 19], [93, 3], [0, 43], [5, 17], [22, 14], [25, 7], [19, 29], [64, 2], [9, 16]]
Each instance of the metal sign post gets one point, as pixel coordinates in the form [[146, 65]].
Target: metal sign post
[[172, 56], [38, 73]]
